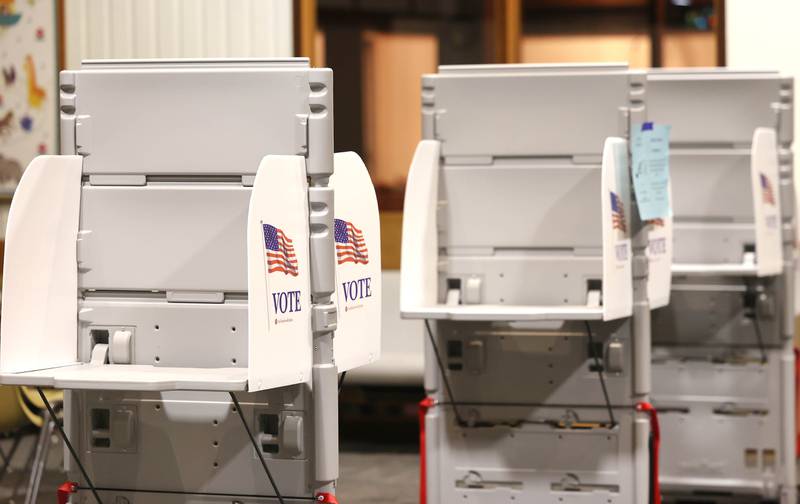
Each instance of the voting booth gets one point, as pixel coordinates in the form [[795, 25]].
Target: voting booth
[[723, 361], [524, 254], [197, 258]]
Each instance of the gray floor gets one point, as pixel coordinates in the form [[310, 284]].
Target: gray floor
[[367, 475], [14, 482], [391, 478]]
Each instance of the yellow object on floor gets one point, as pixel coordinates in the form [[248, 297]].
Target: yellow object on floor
[[12, 416], [20, 406], [32, 405]]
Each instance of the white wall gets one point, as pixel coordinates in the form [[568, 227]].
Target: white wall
[[176, 29], [765, 34], [29, 98]]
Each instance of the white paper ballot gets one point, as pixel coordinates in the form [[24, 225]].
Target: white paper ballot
[[650, 162]]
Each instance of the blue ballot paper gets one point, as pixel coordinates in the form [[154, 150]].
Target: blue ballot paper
[[650, 163]]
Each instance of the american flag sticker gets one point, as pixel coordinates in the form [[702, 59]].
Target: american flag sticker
[[617, 213], [350, 243], [766, 190], [280, 251]]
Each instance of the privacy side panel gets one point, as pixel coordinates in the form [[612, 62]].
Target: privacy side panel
[[358, 264], [765, 181], [615, 196], [659, 261], [38, 326], [420, 247], [279, 297]]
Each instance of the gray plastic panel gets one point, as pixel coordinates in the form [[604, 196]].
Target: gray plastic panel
[[528, 462], [681, 380], [709, 452], [222, 120], [562, 211], [707, 313], [507, 277], [711, 242], [195, 442], [713, 185], [164, 237], [713, 114], [554, 365], [171, 334], [712, 106], [708, 448], [528, 113]]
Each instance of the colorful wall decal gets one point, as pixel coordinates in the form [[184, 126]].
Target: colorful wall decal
[[8, 13], [36, 94], [29, 90]]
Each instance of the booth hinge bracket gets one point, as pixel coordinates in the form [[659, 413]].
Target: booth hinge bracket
[[301, 134], [323, 318]]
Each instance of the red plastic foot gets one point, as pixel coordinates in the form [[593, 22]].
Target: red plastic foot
[[327, 498], [424, 406], [656, 431], [65, 490], [797, 397]]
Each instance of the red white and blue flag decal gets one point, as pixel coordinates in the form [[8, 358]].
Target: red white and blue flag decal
[[766, 190], [350, 243], [280, 251], [617, 213]]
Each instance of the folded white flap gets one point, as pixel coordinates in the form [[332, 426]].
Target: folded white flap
[[420, 248], [39, 321], [279, 333], [765, 181], [659, 259], [357, 235], [615, 200]]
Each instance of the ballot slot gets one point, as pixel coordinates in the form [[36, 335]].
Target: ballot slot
[[268, 431]]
